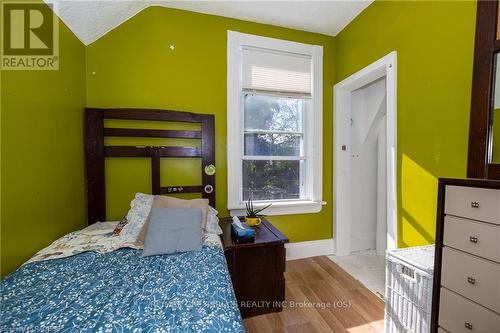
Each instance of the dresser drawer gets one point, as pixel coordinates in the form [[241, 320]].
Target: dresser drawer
[[481, 239], [472, 277], [475, 203], [459, 315]]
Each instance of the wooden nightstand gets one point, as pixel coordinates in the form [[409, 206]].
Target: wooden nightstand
[[257, 269]]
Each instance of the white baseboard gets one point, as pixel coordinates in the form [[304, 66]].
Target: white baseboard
[[308, 249], [363, 242]]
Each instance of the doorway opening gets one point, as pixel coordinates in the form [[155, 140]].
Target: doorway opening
[[365, 163], [368, 168]]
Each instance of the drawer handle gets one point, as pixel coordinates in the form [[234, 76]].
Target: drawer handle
[[473, 239], [474, 204], [468, 325], [471, 280]]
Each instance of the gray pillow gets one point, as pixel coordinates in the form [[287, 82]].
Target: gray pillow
[[173, 230]]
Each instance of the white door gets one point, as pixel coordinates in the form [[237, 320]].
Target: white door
[[368, 172], [365, 159]]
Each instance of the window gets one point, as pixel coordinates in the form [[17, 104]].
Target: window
[[274, 124], [273, 148]]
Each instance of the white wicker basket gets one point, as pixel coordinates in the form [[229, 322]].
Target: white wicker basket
[[408, 291]]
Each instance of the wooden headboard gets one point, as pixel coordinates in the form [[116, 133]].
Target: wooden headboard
[[96, 152]]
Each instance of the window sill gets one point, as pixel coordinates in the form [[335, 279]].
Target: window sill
[[282, 208]]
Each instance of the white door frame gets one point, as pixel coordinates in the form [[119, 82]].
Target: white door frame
[[342, 91]]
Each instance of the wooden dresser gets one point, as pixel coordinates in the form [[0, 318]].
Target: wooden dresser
[[257, 269], [466, 291]]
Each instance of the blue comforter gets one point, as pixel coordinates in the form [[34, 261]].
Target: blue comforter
[[122, 292]]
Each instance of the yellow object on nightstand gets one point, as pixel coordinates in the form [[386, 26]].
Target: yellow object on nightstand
[[252, 221]]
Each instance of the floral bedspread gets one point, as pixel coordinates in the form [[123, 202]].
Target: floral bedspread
[[120, 291], [97, 237]]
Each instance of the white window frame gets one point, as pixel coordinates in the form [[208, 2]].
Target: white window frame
[[313, 129]]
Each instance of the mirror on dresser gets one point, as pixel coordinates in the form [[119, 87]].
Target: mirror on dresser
[[484, 133], [495, 114]]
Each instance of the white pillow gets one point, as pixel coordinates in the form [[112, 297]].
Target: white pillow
[[212, 226], [136, 216]]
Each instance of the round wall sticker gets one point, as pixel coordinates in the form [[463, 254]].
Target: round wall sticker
[[210, 170], [209, 189]]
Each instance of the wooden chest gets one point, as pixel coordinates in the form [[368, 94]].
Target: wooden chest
[[257, 269]]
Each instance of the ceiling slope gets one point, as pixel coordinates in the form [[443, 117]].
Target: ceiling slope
[[90, 20]]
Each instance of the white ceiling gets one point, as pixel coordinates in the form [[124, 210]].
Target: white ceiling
[[90, 20]]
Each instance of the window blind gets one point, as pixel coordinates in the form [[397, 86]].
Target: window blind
[[277, 72]]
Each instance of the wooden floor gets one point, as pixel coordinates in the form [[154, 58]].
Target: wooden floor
[[315, 280]]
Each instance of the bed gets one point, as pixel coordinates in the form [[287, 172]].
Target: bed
[[88, 281]]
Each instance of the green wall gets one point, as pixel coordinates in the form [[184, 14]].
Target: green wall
[[42, 169], [42, 166], [132, 66], [434, 41]]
